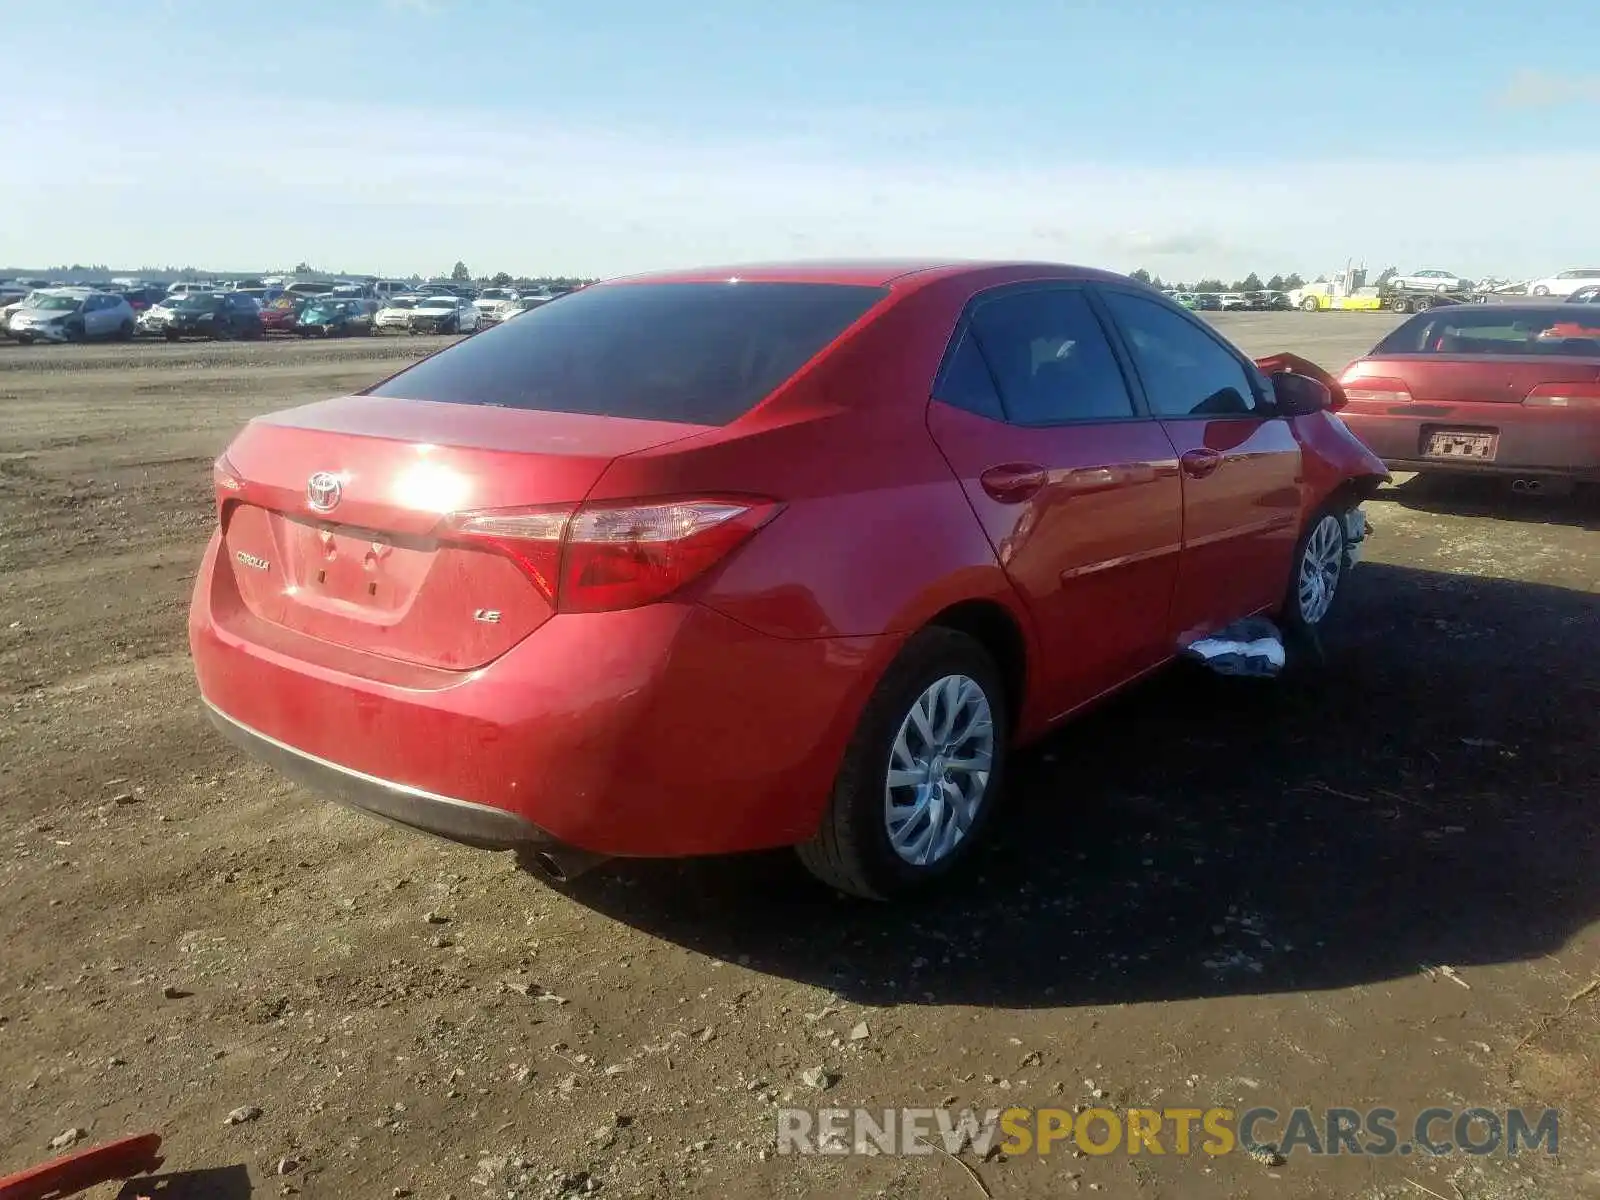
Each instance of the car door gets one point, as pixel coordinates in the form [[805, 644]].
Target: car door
[[1076, 487], [1240, 464]]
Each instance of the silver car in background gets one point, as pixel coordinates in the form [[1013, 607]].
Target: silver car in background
[[71, 315]]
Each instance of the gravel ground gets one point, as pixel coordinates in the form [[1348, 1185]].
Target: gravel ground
[[1210, 891]]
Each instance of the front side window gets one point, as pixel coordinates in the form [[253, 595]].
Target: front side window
[[1050, 358], [1185, 371]]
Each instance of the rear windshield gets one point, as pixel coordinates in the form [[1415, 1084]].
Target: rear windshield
[[698, 353], [1496, 329]]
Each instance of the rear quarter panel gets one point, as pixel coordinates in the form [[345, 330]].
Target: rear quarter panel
[[876, 535]]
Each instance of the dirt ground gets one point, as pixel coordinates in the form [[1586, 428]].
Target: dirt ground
[[1210, 892]]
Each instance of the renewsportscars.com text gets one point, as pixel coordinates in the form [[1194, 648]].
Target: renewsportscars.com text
[[1211, 1131]]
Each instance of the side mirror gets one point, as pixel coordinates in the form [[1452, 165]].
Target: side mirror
[[1300, 395]]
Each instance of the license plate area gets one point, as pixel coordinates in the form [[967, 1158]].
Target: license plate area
[[1469, 445], [355, 570]]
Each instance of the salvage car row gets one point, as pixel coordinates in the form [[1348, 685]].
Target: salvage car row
[[75, 314]]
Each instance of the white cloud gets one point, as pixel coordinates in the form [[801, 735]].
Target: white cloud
[[1546, 89], [388, 190]]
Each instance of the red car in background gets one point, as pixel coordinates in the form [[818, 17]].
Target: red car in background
[[1509, 390], [283, 314], [724, 560]]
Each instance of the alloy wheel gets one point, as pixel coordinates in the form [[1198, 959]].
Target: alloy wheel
[[1321, 565], [939, 768]]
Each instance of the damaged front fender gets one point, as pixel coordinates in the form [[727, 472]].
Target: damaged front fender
[[1333, 458]]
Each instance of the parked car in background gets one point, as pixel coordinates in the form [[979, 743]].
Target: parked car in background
[[395, 314], [72, 315], [280, 315], [261, 295], [1207, 302], [1504, 389], [443, 314], [190, 288], [334, 316], [625, 577], [512, 308], [218, 315], [1432, 280], [492, 298], [143, 298], [1564, 283]]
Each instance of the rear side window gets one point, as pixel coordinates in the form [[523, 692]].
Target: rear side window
[[1051, 358], [698, 353], [1496, 329], [966, 383]]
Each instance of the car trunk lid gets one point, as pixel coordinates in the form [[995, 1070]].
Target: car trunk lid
[[1474, 378], [372, 570]]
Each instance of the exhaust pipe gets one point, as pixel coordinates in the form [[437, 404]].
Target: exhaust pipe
[[559, 864], [1527, 487]]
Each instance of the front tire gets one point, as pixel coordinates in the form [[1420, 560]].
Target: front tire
[[1309, 304], [922, 775], [1541, 290], [1321, 566]]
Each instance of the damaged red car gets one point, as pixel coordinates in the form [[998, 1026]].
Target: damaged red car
[[723, 560], [1507, 390]]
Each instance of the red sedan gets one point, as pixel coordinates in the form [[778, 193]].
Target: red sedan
[[1510, 390], [724, 560], [282, 315]]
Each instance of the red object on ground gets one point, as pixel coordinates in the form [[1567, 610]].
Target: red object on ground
[[73, 1173]]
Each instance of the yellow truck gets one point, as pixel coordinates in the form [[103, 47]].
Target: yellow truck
[[1345, 292]]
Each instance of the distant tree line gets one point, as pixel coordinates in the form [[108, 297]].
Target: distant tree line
[[1250, 283]]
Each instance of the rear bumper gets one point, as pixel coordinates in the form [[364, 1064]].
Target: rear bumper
[[663, 731], [1546, 442], [426, 812]]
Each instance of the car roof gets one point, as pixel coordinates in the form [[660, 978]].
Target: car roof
[[862, 272]]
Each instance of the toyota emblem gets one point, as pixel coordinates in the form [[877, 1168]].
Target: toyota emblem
[[323, 490]]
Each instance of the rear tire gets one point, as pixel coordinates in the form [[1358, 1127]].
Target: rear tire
[[1309, 304], [125, 332], [949, 682]]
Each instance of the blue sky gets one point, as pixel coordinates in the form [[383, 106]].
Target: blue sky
[[603, 137]]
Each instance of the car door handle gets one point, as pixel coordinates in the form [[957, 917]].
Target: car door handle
[[1012, 483], [1197, 464]]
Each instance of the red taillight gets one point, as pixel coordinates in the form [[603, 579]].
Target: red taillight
[[1577, 394], [1375, 389], [532, 538], [609, 556]]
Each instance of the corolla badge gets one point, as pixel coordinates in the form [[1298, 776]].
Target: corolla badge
[[323, 491]]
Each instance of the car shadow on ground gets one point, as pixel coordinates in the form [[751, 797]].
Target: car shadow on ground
[[1577, 506], [1426, 797], [210, 1183]]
